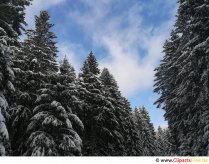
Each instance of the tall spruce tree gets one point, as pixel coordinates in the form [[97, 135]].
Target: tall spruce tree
[[163, 144], [70, 98], [51, 130], [11, 22], [147, 133], [165, 75], [185, 97], [130, 143], [53, 118], [33, 63], [40, 46], [67, 69], [101, 135], [27, 83], [133, 137]]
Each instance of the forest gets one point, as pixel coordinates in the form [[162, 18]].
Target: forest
[[46, 109]]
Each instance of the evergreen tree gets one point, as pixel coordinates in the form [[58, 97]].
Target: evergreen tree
[[33, 63], [185, 97], [67, 69], [11, 22], [160, 142], [165, 82], [53, 118], [133, 137], [6, 76], [40, 46], [13, 16], [146, 130], [101, 126], [51, 130], [163, 144], [90, 65], [27, 83], [130, 141], [70, 98]]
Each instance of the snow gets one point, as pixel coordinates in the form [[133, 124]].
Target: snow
[[42, 97], [2, 149], [67, 143], [10, 71], [76, 138], [3, 102], [55, 104], [10, 86], [34, 60], [76, 120], [40, 115], [61, 109], [39, 142], [52, 120], [3, 130]]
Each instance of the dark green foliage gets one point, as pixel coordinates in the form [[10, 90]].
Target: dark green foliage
[[67, 69], [146, 132], [51, 129], [130, 141], [53, 118], [102, 129], [12, 15], [23, 101], [182, 79], [165, 84], [70, 95], [30, 76], [163, 144], [40, 46], [90, 66], [11, 22]]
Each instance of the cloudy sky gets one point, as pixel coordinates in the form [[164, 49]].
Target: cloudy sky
[[126, 36]]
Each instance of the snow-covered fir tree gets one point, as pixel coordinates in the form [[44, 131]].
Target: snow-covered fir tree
[[130, 143], [101, 136], [53, 119], [133, 137], [27, 83], [67, 69], [6, 76], [31, 68], [163, 144], [10, 25], [40, 46], [51, 130], [165, 82], [185, 97], [147, 133], [70, 96]]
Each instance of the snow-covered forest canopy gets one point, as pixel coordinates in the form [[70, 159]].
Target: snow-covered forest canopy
[[46, 109]]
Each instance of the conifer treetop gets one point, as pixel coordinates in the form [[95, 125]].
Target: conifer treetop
[[91, 65], [108, 78], [66, 68]]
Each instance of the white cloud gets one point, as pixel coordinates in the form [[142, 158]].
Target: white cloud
[[36, 7], [133, 48], [123, 36]]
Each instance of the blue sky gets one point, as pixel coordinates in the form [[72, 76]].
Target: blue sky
[[126, 36]]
